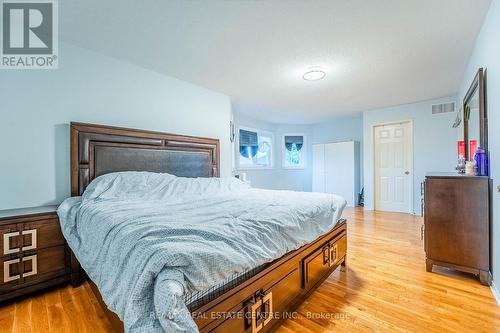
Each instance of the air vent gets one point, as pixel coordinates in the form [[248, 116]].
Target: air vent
[[443, 108]]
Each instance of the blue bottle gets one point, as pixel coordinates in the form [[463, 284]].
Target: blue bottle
[[481, 162]]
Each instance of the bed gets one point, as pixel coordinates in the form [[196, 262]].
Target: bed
[[201, 253]]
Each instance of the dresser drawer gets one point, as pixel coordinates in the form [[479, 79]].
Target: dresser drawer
[[17, 238], [37, 267]]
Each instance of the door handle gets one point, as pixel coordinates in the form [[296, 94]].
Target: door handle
[[407, 172]]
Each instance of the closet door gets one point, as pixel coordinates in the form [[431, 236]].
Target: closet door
[[339, 170], [318, 181]]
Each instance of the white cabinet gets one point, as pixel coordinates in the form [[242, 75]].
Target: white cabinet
[[336, 169], [318, 166]]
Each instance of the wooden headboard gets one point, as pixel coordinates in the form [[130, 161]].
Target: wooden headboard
[[98, 150]]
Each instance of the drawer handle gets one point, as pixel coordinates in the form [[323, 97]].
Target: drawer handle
[[31, 232], [326, 255], [6, 243], [34, 264], [267, 299], [333, 255], [6, 271], [7, 237], [6, 268]]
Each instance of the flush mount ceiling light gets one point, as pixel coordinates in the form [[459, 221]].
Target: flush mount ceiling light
[[314, 74]]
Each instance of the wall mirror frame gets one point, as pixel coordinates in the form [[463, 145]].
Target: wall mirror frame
[[474, 114]]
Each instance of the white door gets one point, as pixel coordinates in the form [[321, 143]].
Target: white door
[[318, 182], [339, 170], [393, 167]]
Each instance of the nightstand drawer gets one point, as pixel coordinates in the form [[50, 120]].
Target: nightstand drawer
[[45, 264], [33, 253], [42, 234], [38, 234], [33, 268]]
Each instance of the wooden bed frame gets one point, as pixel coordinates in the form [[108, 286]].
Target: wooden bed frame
[[257, 304]]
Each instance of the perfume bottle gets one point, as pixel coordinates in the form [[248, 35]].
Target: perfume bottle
[[481, 159]]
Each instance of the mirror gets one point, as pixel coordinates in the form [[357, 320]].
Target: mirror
[[474, 115], [472, 107]]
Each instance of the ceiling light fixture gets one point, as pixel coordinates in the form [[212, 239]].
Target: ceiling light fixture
[[314, 74]]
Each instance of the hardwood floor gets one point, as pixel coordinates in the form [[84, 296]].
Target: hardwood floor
[[385, 288]]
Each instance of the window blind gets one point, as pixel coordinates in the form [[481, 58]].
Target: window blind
[[298, 140], [249, 143]]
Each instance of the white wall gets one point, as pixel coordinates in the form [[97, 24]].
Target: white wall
[[278, 178], [487, 54], [37, 106], [434, 143], [340, 129]]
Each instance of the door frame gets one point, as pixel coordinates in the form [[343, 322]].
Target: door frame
[[411, 206]]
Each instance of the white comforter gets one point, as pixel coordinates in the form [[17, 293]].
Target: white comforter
[[145, 239]]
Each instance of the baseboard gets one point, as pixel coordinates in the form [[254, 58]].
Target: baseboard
[[495, 292]]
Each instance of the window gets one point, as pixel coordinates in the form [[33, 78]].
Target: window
[[294, 151], [255, 148]]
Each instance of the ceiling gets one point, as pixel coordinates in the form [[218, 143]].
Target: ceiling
[[376, 53]]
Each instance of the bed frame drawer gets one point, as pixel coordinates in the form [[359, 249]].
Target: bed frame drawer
[[242, 297], [323, 261], [265, 309], [338, 251], [252, 314]]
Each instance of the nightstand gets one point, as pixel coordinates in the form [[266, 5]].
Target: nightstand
[[33, 254]]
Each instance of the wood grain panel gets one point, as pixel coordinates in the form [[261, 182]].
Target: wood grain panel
[[48, 233], [457, 223]]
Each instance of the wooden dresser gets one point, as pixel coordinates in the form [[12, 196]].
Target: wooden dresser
[[457, 223], [33, 255]]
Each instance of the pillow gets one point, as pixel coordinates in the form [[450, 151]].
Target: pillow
[[157, 186]]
